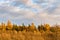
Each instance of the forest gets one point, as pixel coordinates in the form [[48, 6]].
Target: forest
[[11, 31]]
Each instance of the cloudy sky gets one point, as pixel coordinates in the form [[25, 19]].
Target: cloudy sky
[[28, 11]]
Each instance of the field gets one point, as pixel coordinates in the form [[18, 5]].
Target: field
[[14, 35]]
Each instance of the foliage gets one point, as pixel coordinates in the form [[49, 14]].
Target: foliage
[[15, 27], [22, 32], [41, 27], [32, 27], [9, 25], [47, 26], [52, 29]]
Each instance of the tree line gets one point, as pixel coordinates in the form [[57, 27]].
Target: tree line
[[29, 28]]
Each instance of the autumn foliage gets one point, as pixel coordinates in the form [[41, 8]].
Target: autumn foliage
[[11, 31]]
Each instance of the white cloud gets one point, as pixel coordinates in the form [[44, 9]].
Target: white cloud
[[9, 11]]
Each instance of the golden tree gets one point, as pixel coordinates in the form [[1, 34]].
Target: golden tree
[[47, 26], [9, 25], [32, 27], [3, 26], [0, 27]]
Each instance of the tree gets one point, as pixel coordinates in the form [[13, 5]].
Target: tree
[[23, 27], [9, 25], [3, 26], [47, 26], [41, 28], [32, 27], [52, 29], [15, 27]]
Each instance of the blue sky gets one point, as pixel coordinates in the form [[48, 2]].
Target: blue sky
[[28, 11]]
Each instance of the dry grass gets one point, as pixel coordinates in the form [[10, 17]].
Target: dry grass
[[14, 35], [21, 35]]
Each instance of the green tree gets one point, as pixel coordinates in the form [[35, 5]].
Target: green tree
[[15, 27], [52, 29], [41, 28]]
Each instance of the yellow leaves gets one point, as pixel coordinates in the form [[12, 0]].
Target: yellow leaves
[[32, 27], [47, 26], [9, 25], [3, 26]]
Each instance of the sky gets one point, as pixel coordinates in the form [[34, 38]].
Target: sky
[[28, 11]]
